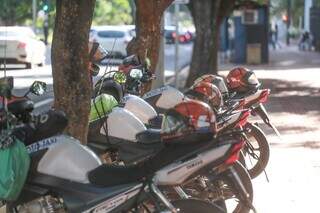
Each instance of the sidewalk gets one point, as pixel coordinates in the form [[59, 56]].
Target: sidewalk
[[294, 107]]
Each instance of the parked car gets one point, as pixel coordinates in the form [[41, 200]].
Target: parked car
[[19, 45], [113, 38], [170, 35]]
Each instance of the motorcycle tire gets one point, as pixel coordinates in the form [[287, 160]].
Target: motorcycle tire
[[262, 148], [221, 188], [194, 205], [244, 176]]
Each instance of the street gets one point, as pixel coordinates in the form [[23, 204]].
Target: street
[[23, 78]]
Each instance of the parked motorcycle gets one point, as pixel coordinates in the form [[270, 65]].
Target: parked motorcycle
[[40, 146], [246, 94], [164, 98], [242, 84]]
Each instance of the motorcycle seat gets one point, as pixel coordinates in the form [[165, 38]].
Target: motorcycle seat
[[20, 106], [111, 175], [149, 136]]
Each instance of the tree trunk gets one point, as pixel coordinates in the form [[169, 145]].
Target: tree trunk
[[147, 41], [204, 56], [71, 80]]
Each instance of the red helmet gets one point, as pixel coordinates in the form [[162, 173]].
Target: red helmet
[[208, 93], [188, 118], [241, 79], [205, 78], [218, 81]]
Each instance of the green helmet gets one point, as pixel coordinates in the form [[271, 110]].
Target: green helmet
[[101, 106]]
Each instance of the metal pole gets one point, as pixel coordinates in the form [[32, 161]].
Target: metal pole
[[34, 14], [176, 56], [289, 20]]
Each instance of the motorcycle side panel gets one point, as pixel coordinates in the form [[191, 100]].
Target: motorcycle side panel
[[79, 197], [139, 107], [170, 97], [177, 173], [68, 160], [123, 124]]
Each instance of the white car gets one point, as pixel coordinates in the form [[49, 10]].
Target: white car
[[113, 38], [19, 45]]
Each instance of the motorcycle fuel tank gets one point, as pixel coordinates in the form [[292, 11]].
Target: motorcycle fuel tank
[[139, 107], [68, 159], [123, 124]]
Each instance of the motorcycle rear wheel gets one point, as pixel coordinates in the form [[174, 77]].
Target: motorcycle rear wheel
[[220, 188]]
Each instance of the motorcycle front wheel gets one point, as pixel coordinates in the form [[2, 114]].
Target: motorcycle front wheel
[[256, 152]]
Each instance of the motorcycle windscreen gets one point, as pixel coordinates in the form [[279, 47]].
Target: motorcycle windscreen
[[139, 107], [68, 159], [166, 97], [123, 124]]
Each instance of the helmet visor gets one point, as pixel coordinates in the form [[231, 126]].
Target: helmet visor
[[252, 79]]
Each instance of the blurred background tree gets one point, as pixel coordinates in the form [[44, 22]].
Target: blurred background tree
[[13, 12], [112, 12], [107, 12], [279, 8]]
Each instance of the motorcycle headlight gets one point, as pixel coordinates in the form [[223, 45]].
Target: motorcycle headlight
[[136, 74], [120, 77]]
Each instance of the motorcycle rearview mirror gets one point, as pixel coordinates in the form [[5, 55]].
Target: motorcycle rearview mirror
[[6, 85], [131, 60], [120, 77], [95, 69], [136, 74], [37, 88]]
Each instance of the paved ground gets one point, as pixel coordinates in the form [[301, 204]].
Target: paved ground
[[294, 107]]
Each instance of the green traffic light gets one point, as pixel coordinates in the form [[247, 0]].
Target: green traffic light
[[45, 7]]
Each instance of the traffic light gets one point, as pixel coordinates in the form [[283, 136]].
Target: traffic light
[[284, 18], [45, 6]]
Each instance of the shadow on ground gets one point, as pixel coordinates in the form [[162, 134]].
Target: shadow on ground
[[294, 97], [295, 109]]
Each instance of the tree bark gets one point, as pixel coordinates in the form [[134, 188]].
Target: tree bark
[[204, 56], [71, 80], [147, 41]]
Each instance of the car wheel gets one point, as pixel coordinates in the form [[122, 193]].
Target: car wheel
[[28, 65], [41, 64]]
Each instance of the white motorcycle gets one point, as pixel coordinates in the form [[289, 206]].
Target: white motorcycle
[[66, 176]]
